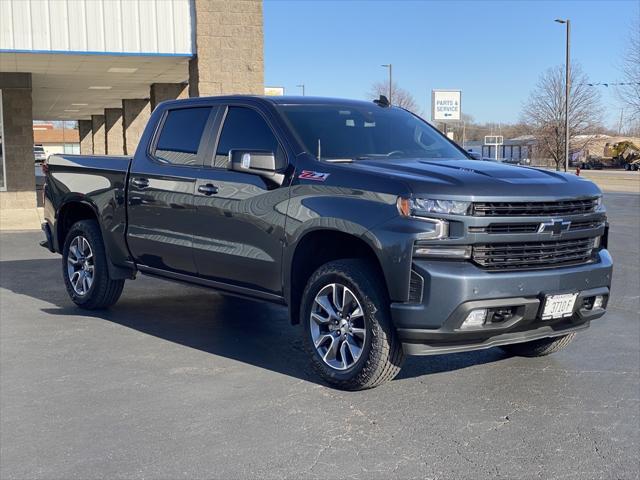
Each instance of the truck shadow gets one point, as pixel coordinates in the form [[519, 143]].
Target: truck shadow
[[247, 331]]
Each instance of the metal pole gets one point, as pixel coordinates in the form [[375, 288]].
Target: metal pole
[[390, 82], [566, 98], [302, 87]]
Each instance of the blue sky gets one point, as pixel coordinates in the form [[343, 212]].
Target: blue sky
[[493, 50]]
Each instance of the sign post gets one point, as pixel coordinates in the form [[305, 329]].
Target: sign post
[[446, 105]]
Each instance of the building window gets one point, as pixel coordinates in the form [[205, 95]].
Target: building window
[[71, 148], [3, 173]]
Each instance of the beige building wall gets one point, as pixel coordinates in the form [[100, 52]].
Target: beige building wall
[[98, 134], [114, 131], [135, 114], [86, 140], [230, 48], [17, 142], [161, 92]]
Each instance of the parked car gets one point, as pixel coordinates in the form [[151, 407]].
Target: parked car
[[381, 236], [39, 154]]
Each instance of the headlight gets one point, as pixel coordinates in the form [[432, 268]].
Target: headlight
[[423, 207], [598, 202]]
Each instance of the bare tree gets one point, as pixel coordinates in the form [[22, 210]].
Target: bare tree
[[400, 96], [544, 111], [629, 93]]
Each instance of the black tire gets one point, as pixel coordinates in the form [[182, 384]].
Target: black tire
[[382, 356], [627, 167], [103, 291], [539, 348]]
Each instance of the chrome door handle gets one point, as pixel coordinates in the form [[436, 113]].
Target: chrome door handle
[[208, 189], [140, 182]]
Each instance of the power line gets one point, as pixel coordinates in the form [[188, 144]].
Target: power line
[[610, 84]]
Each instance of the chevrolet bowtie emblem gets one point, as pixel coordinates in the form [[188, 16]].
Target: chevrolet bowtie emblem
[[555, 227]]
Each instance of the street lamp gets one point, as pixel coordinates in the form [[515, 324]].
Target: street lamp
[[302, 87], [390, 67], [567, 89]]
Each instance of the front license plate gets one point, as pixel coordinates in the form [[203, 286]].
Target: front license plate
[[559, 306]]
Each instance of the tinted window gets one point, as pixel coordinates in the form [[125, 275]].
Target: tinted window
[[244, 129], [353, 131], [181, 134]]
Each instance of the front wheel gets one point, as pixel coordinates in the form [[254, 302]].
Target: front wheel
[[84, 268], [539, 348], [347, 327]]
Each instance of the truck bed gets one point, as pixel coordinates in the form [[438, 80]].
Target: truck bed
[[97, 183]]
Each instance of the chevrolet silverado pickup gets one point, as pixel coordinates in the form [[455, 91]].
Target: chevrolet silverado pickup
[[381, 236]]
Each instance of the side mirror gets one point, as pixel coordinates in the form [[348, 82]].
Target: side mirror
[[255, 162], [474, 155]]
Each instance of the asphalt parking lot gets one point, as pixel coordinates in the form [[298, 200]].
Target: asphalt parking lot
[[177, 382]]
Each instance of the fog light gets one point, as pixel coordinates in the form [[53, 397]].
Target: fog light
[[475, 319], [598, 302]]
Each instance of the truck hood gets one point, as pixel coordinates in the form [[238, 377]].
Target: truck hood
[[479, 179]]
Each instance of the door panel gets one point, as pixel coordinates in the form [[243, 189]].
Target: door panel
[[239, 232], [161, 210], [161, 217]]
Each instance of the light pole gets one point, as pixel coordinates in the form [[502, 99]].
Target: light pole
[[567, 90], [302, 87], [390, 67]]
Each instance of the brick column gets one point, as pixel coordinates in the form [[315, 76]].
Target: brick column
[[97, 134], [17, 142], [114, 131], [229, 45], [135, 114], [160, 92], [86, 138]]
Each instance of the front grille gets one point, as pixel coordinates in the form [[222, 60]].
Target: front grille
[[502, 228], [515, 209], [533, 255], [507, 228]]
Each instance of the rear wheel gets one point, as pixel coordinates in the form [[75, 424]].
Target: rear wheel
[[84, 268], [347, 329], [539, 348]]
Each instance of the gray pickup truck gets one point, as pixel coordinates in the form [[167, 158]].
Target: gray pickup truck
[[382, 237]]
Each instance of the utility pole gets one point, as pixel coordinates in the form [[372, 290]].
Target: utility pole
[[390, 67], [302, 87], [620, 124], [567, 87]]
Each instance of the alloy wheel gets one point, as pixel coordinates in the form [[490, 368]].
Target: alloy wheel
[[80, 265], [338, 327]]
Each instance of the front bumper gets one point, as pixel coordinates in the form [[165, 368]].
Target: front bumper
[[452, 289]]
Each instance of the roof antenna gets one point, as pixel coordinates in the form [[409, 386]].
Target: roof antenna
[[382, 101], [319, 149]]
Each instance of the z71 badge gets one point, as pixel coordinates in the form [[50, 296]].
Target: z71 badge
[[309, 175]]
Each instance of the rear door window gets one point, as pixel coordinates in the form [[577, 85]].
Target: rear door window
[[181, 134]]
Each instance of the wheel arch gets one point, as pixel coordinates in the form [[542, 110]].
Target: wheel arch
[[75, 210], [314, 248], [69, 213]]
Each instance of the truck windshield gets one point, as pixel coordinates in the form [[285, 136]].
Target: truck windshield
[[338, 132]]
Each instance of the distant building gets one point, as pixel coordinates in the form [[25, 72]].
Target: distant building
[[516, 149], [56, 140]]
